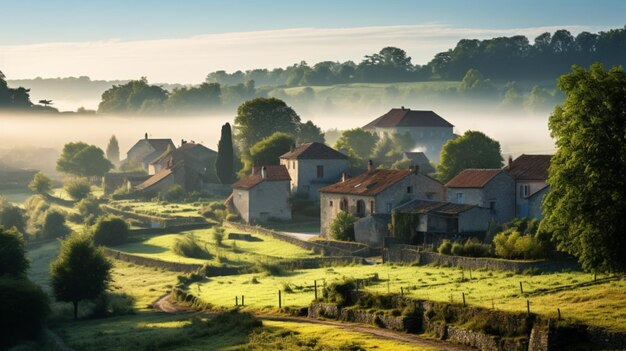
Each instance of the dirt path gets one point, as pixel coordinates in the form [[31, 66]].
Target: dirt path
[[165, 304]]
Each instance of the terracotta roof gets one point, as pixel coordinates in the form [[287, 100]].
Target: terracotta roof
[[404, 117], [368, 183], [159, 176], [314, 151], [434, 207], [529, 167], [274, 173], [418, 158], [473, 178]]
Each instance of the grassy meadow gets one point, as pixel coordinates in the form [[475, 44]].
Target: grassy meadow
[[159, 208]]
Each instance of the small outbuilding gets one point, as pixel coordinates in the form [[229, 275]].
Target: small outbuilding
[[263, 195]]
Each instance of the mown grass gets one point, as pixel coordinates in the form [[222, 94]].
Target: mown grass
[[159, 208], [232, 252], [602, 304]]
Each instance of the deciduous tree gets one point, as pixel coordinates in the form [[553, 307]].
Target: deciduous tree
[[472, 150]]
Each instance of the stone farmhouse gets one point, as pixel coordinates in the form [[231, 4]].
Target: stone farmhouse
[[490, 188], [263, 195], [429, 130], [147, 150], [376, 192], [313, 166], [530, 173]]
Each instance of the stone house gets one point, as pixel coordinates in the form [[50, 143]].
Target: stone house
[[147, 150], [490, 188], [436, 220], [181, 173], [429, 130], [196, 156], [263, 195], [530, 173], [313, 166], [376, 192]]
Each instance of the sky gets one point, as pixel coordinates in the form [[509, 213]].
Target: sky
[[181, 41]]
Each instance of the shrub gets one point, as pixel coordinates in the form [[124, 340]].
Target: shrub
[[445, 248], [89, 209], [342, 227], [512, 244], [23, 310], [11, 216], [13, 259], [339, 292], [473, 248], [54, 225], [231, 217], [188, 247], [40, 184], [218, 235], [457, 249], [78, 189], [174, 193], [110, 230]]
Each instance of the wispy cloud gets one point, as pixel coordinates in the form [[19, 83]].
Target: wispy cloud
[[188, 60]]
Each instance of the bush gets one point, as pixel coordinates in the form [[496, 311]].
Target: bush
[[188, 247], [471, 248], [110, 230], [78, 189], [23, 310], [174, 193], [445, 248], [218, 235], [89, 209], [54, 225], [512, 244], [231, 217], [339, 292], [11, 216], [41, 184], [457, 249], [342, 227], [13, 259]]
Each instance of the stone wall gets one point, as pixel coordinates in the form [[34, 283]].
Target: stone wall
[[402, 254]]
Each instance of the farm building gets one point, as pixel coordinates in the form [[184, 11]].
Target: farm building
[[427, 129], [530, 173], [263, 195], [147, 150]]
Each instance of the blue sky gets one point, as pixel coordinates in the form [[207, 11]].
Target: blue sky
[[181, 41], [37, 21]]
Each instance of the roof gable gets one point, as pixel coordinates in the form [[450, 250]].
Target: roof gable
[[274, 173], [368, 183], [529, 167], [418, 158], [314, 151], [473, 178], [405, 117]]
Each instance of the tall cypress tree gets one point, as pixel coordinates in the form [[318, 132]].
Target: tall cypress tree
[[224, 163], [113, 151]]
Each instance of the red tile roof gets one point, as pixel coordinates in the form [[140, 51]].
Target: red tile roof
[[274, 173], [368, 183], [314, 151], [434, 207], [529, 167], [473, 178], [404, 117]]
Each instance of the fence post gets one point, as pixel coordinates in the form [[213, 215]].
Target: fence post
[[493, 305], [236, 300], [315, 287], [388, 286], [402, 291], [521, 287], [450, 296], [558, 311], [242, 301], [280, 303], [463, 299], [528, 307], [470, 273]]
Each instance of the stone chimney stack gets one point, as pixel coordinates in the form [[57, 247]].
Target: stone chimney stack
[[264, 172], [344, 176], [370, 166], [146, 136], [510, 161]]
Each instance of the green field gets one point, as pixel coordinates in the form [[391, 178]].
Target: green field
[[602, 304], [159, 209], [232, 253], [16, 196]]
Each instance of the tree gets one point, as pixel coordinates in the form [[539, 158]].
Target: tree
[[359, 141], [54, 225], [81, 271], [11, 216], [83, 160], [41, 184], [13, 261], [77, 189], [113, 151], [267, 151], [472, 150], [23, 311], [261, 117], [225, 162], [110, 230], [342, 227], [586, 203], [136, 96], [308, 133], [89, 209]]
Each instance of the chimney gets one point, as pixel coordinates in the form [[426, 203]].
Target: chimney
[[370, 166], [402, 107], [510, 161], [146, 136], [344, 176], [264, 172], [183, 142], [254, 168]]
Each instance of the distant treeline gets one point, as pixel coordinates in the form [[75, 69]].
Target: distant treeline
[[499, 59]]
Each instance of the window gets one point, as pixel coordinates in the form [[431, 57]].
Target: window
[[343, 205], [524, 190], [492, 206], [409, 190], [360, 208], [371, 207], [330, 203], [459, 198], [388, 206], [320, 171]]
